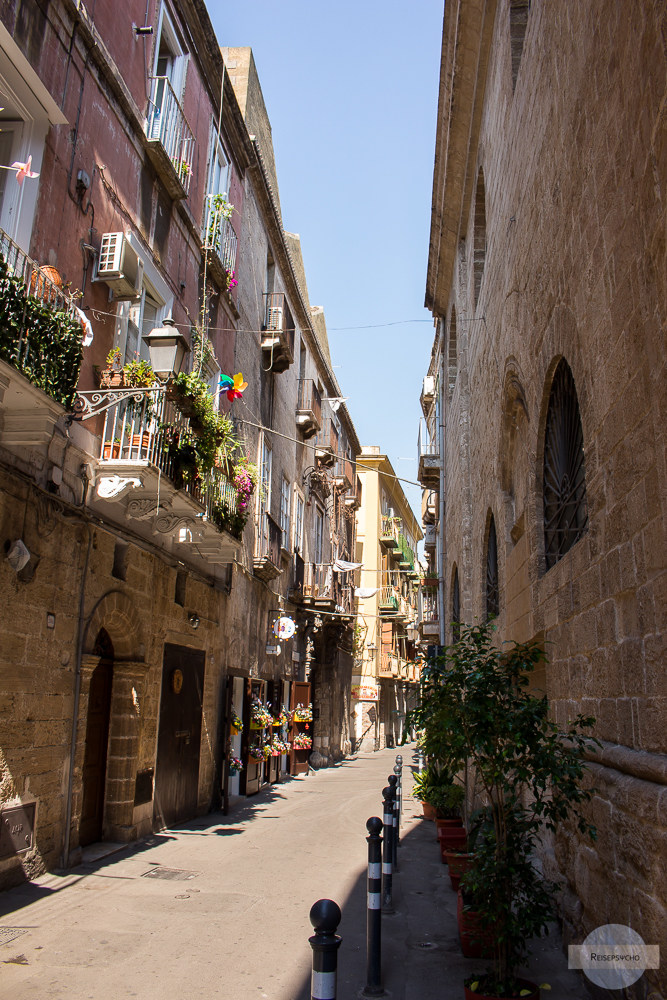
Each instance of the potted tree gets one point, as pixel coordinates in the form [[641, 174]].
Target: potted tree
[[478, 713]]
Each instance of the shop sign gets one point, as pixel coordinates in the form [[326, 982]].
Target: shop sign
[[365, 692]]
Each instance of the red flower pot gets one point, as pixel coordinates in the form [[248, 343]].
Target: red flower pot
[[429, 810], [524, 984], [459, 864], [475, 942], [452, 839]]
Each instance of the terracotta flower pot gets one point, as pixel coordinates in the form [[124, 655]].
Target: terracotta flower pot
[[430, 811], [524, 984], [459, 864], [452, 839], [447, 824], [140, 443], [111, 450], [475, 942]]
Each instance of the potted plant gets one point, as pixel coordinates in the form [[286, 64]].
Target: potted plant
[[113, 376], [235, 764], [477, 712], [236, 725]]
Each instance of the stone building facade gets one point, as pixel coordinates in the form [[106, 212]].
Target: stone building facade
[[139, 612], [543, 449], [386, 672]]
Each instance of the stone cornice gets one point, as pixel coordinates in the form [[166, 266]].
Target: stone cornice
[[467, 34]]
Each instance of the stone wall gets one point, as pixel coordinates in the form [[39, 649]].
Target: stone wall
[[575, 179]]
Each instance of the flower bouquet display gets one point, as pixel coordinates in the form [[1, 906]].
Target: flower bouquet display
[[235, 764], [279, 747], [236, 723], [302, 714], [302, 742], [281, 719], [258, 753], [260, 717]]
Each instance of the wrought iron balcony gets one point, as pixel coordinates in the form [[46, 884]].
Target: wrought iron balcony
[[41, 340], [353, 498], [343, 473], [220, 242], [277, 332], [407, 558], [428, 470], [147, 461], [388, 602], [427, 397], [389, 531], [326, 443], [429, 616], [268, 539], [308, 408], [170, 139]]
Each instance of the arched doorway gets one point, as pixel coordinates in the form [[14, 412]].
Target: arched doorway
[[97, 739]]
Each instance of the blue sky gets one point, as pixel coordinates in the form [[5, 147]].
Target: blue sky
[[351, 92]]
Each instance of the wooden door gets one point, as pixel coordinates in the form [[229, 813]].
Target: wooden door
[[95, 753], [298, 759], [179, 735]]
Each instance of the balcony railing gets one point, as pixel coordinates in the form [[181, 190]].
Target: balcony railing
[[308, 408], [407, 560], [278, 331], [220, 240], [353, 498], [268, 540], [389, 531], [40, 333], [168, 130], [389, 600], [152, 431], [428, 453], [326, 442], [343, 473]]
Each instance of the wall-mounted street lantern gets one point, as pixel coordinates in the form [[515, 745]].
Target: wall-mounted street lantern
[[166, 347]]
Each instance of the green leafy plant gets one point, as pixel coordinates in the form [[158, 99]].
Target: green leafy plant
[[220, 210], [43, 343], [476, 712], [139, 374]]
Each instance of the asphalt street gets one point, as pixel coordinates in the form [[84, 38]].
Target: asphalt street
[[219, 908]]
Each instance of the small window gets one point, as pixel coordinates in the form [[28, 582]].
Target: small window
[[319, 535], [120, 553], [564, 474], [519, 10], [452, 355], [479, 236], [179, 589], [492, 588]]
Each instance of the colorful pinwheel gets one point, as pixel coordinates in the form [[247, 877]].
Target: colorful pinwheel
[[233, 386], [23, 170]]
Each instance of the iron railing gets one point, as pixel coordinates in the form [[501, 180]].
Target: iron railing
[[40, 332], [219, 235], [327, 436], [309, 399], [388, 599], [389, 530], [268, 539], [425, 446], [278, 318], [166, 124]]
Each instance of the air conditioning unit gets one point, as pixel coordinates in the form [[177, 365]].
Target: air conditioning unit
[[120, 266], [274, 319]]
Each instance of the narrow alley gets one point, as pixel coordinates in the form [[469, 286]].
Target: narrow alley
[[219, 907]]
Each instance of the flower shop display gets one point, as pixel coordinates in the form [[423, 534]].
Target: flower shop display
[[281, 719], [302, 714], [235, 764], [260, 717], [259, 753], [279, 747], [302, 741], [236, 723]]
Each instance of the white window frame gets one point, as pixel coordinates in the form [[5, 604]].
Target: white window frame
[[299, 517], [285, 510], [155, 287], [176, 76], [319, 535]]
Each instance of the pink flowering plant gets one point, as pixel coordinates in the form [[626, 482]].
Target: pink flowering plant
[[302, 742], [235, 764]]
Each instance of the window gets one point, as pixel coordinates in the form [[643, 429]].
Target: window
[[285, 510], [137, 317], [564, 474], [492, 588], [298, 521], [479, 236], [519, 10], [319, 535], [264, 494], [456, 607], [452, 354]]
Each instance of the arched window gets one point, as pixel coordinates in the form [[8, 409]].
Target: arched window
[[492, 587], [564, 476], [452, 354], [519, 10], [456, 607]]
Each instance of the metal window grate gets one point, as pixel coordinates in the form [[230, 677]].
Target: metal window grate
[[171, 874], [564, 479], [492, 588]]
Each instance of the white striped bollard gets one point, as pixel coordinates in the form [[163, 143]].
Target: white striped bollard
[[387, 849], [373, 986], [398, 771], [393, 784], [325, 917]]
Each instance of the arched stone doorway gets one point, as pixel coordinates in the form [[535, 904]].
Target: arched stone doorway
[[96, 745]]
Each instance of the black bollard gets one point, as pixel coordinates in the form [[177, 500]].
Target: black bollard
[[373, 986], [398, 771], [387, 848], [325, 917], [393, 782]]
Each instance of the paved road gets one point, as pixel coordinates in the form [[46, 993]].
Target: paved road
[[232, 920]]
